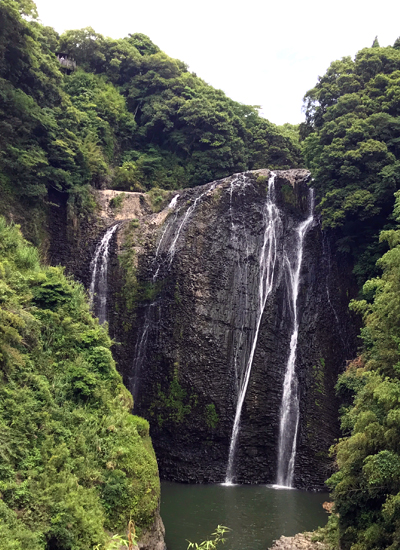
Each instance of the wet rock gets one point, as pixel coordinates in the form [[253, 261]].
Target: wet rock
[[153, 538], [302, 541], [73, 239], [183, 305], [187, 342]]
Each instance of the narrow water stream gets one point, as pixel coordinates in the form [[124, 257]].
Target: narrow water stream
[[256, 514], [267, 263]]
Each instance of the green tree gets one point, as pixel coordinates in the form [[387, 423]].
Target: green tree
[[366, 487], [194, 132], [127, 108], [351, 146], [375, 43]]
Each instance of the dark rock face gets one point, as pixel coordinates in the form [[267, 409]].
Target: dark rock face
[[188, 340], [72, 240]]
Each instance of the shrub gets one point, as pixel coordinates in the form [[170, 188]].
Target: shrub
[[73, 461]]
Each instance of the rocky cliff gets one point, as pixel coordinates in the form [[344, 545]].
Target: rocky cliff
[[185, 294], [183, 300]]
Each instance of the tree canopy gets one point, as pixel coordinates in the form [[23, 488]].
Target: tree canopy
[[351, 142], [366, 487], [130, 116], [352, 147]]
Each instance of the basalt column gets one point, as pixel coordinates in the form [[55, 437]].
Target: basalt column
[[220, 285]]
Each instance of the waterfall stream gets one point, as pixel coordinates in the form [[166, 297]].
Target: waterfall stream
[[327, 252], [267, 262], [185, 220], [157, 263], [289, 412], [98, 269], [266, 252]]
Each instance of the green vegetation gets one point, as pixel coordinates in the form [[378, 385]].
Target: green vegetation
[[76, 468], [262, 180], [288, 194], [291, 131], [74, 463], [127, 262], [174, 404], [46, 142], [218, 538], [212, 417], [352, 147], [129, 117], [329, 534], [132, 291], [351, 144], [117, 202], [158, 198], [129, 293], [366, 487]]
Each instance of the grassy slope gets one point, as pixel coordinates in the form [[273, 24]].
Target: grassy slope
[[73, 461]]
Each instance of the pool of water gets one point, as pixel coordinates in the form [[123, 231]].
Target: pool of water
[[256, 514]]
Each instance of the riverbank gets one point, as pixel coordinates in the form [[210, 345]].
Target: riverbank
[[302, 541]]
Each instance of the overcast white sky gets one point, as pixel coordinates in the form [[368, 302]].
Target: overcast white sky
[[260, 53]]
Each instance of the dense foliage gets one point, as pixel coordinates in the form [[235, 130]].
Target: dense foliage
[[130, 117], [74, 464], [41, 141], [366, 487], [187, 132], [352, 145], [353, 149], [73, 461]]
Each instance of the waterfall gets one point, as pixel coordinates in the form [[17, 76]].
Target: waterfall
[[98, 269], [173, 202], [267, 263], [327, 253], [184, 221], [157, 262], [140, 353], [289, 412]]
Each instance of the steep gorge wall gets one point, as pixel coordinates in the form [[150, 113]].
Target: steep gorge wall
[[186, 332]]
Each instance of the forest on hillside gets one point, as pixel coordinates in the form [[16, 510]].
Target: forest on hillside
[[129, 116], [132, 118], [351, 143]]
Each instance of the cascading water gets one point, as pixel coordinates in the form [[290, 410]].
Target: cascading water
[[244, 298], [157, 263], [185, 220], [173, 202], [267, 264], [141, 343], [289, 412], [99, 268], [327, 253], [140, 353]]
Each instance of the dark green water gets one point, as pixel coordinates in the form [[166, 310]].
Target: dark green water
[[256, 514]]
